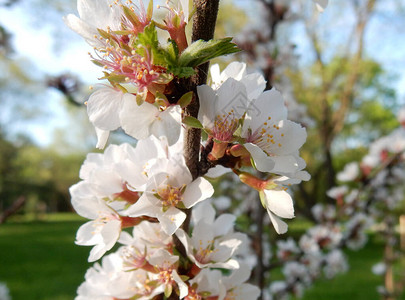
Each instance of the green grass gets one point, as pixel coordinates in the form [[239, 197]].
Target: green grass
[[39, 261], [358, 282]]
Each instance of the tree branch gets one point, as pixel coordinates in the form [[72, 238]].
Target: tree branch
[[204, 21]]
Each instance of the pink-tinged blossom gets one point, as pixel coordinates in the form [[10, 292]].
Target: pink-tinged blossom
[[206, 282], [109, 281], [127, 66], [139, 19], [213, 242], [350, 172], [272, 140], [166, 275], [169, 188], [274, 198], [103, 231], [110, 183], [145, 240], [175, 22], [103, 108], [236, 289], [221, 110], [94, 15], [401, 117], [287, 248], [141, 121], [278, 204], [111, 29], [253, 82], [109, 109], [335, 263]]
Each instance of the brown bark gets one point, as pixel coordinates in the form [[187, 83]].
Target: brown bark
[[204, 21], [17, 204]]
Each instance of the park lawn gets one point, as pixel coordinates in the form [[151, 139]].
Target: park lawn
[[358, 283], [39, 261]]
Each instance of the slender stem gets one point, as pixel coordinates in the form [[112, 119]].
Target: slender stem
[[204, 21], [260, 270], [203, 28]]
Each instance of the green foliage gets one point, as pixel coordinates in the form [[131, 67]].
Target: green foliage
[[192, 122], [149, 40], [201, 51], [181, 65], [42, 176]]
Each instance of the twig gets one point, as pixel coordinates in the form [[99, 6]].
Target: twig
[[17, 204]]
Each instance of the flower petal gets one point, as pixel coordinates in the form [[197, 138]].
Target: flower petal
[[280, 203], [280, 226], [199, 190], [264, 163]]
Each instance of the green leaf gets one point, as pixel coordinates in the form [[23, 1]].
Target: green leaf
[[161, 99], [185, 99], [97, 63], [149, 11], [262, 196], [104, 34], [122, 32], [180, 205], [201, 51], [113, 77], [131, 16], [204, 135], [140, 98], [149, 40], [182, 72], [192, 122], [168, 290], [172, 53], [253, 163]]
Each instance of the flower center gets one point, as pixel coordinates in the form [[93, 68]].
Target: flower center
[[165, 276], [133, 257], [267, 136], [103, 219], [225, 126], [170, 195], [192, 295], [124, 63], [203, 254]]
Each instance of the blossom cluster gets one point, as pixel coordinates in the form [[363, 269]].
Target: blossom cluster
[[371, 193], [139, 198]]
